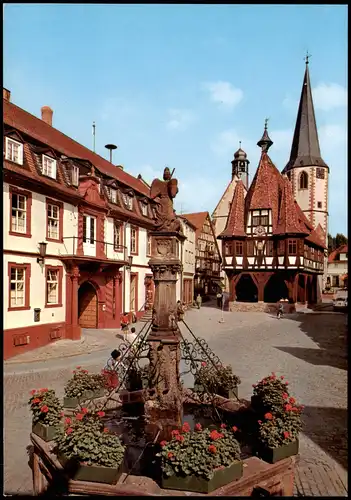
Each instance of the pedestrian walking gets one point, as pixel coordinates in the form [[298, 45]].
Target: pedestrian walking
[[280, 310], [110, 369], [125, 324], [198, 301], [180, 311]]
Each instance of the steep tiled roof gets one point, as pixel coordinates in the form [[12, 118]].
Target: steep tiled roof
[[36, 128], [302, 217], [288, 218], [236, 218], [196, 219], [337, 251], [317, 236], [187, 221]]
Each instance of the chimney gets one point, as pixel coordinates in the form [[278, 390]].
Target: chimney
[[6, 94], [46, 115], [120, 166]]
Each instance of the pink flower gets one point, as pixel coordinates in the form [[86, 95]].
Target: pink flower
[[285, 395], [203, 363], [253, 385], [44, 409], [292, 400], [268, 416], [234, 428], [101, 413], [36, 400], [78, 367], [186, 427], [69, 430], [170, 454], [223, 426], [286, 383], [286, 434], [288, 407], [163, 443], [175, 432], [85, 410], [180, 438], [259, 421], [198, 427], [212, 449], [62, 414], [68, 421], [44, 390], [33, 392], [79, 416], [105, 429], [282, 377]]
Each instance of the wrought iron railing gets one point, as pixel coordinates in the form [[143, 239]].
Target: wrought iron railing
[[71, 244]]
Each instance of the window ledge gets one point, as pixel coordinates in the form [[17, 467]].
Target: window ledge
[[50, 306], [22, 308], [24, 235], [53, 240]]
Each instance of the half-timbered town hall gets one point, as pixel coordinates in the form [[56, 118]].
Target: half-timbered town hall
[[275, 236]]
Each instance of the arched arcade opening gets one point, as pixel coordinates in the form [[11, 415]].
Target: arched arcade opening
[[246, 290]]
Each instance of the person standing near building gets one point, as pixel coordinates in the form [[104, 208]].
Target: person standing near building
[[180, 311], [198, 301]]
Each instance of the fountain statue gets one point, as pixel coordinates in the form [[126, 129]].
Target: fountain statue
[[164, 339]]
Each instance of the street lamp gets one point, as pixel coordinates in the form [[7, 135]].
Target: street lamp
[[130, 262]]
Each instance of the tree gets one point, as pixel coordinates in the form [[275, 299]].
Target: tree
[[336, 242]]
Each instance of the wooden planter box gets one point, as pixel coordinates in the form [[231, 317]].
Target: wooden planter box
[[200, 484], [273, 455], [225, 394], [74, 402], [93, 473], [45, 432]]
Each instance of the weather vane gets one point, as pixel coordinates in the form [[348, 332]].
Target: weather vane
[[266, 123], [307, 57], [239, 144]]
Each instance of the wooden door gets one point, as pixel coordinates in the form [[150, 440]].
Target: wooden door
[[87, 306]]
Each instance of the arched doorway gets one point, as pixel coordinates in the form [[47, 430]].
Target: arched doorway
[[246, 290], [87, 306], [275, 289]]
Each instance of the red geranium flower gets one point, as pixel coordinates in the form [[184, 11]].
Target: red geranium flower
[[44, 409], [44, 390], [163, 443], [74, 371], [259, 421], [186, 427], [302, 407], [36, 400], [268, 416], [69, 430], [85, 410], [223, 426], [286, 383], [79, 416], [105, 429], [33, 392], [180, 438], [170, 454], [285, 395], [175, 432], [286, 434], [273, 373], [288, 407], [78, 367], [282, 377], [212, 449], [68, 420], [62, 414], [203, 363], [234, 428], [198, 427], [292, 400], [253, 385], [101, 413], [85, 371]]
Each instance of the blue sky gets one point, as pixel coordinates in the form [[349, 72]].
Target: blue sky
[[182, 84]]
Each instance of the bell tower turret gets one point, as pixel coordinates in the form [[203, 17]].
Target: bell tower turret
[[240, 166]]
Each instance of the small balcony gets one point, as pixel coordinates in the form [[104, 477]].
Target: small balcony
[[94, 250]]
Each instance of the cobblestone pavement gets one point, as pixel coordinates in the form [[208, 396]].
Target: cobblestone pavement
[[309, 349]]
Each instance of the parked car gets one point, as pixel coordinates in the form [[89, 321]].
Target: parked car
[[340, 302]]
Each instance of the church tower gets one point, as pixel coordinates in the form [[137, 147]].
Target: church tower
[[306, 169], [240, 167]]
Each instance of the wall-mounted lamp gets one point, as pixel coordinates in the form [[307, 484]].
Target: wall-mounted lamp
[[130, 262], [42, 253]]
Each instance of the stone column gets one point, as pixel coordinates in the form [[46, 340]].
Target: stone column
[[166, 407]]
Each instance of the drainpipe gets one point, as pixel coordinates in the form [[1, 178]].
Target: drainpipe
[[181, 273], [124, 268]]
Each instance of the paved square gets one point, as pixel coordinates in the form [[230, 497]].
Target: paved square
[[309, 349]]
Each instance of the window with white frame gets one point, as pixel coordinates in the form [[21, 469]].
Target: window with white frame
[[75, 175], [144, 209], [49, 166], [14, 151], [128, 201], [19, 213], [133, 240], [53, 221], [17, 287], [149, 244], [113, 195], [117, 240], [52, 286]]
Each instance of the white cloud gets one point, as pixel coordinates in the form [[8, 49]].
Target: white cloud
[[227, 142], [224, 93], [332, 136], [179, 119], [329, 96]]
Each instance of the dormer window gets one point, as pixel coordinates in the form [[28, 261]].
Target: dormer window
[[144, 209], [75, 176], [113, 195], [14, 151], [49, 166], [128, 200]]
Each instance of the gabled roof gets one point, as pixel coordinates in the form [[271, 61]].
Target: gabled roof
[[197, 219], [288, 217], [186, 221], [317, 236], [225, 192], [337, 251], [36, 128], [236, 219], [305, 149]]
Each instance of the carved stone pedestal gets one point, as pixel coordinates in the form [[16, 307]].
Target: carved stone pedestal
[[165, 410]]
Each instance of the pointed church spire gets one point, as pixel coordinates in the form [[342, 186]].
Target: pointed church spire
[[305, 146], [265, 142]]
